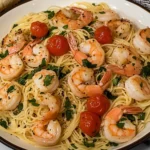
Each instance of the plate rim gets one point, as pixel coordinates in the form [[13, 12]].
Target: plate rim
[[14, 146]]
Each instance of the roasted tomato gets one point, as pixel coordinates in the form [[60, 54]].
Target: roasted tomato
[[89, 123], [98, 104], [58, 45], [38, 29], [103, 35]]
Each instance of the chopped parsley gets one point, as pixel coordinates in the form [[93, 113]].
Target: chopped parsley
[[74, 146], [22, 79], [130, 117], [89, 144], [102, 12], [51, 30], [141, 116], [3, 123], [68, 109], [15, 25], [116, 80], [3, 55], [145, 72], [121, 124], [50, 14], [33, 102], [18, 109], [88, 64], [65, 26], [109, 95], [101, 69], [48, 80], [148, 39], [43, 63], [90, 30], [112, 144], [11, 89], [63, 33], [56, 69]]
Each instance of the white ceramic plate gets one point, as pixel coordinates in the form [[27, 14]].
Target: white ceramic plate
[[126, 9]]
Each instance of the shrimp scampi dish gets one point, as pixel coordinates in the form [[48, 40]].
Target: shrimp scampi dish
[[76, 77]]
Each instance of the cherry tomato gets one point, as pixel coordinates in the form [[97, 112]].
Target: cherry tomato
[[57, 45], [98, 104], [89, 123], [103, 35], [38, 29]]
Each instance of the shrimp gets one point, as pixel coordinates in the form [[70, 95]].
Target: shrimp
[[137, 88], [110, 129], [89, 50], [34, 53], [142, 40], [120, 27], [14, 43], [106, 15], [10, 96], [62, 18], [53, 104], [128, 61], [81, 82], [11, 67], [46, 132], [46, 80]]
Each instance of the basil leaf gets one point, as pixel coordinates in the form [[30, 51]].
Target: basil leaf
[[88, 64], [19, 109], [141, 116], [50, 14], [11, 89], [3, 55], [48, 80], [3, 123], [120, 124], [33, 102], [109, 95], [130, 117], [116, 81]]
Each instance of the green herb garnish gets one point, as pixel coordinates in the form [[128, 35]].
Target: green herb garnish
[[130, 117], [102, 12], [145, 72], [15, 25], [90, 30], [63, 33], [101, 69], [88, 144], [69, 113], [109, 95], [74, 146], [112, 144], [141, 116], [50, 14], [18, 109], [3, 123], [116, 81], [65, 26], [51, 30], [88, 64], [11, 89], [33, 102], [3, 55], [48, 80]]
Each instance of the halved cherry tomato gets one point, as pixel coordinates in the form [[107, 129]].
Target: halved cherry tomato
[[98, 104], [58, 45], [38, 29], [103, 35], [89, 123]]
